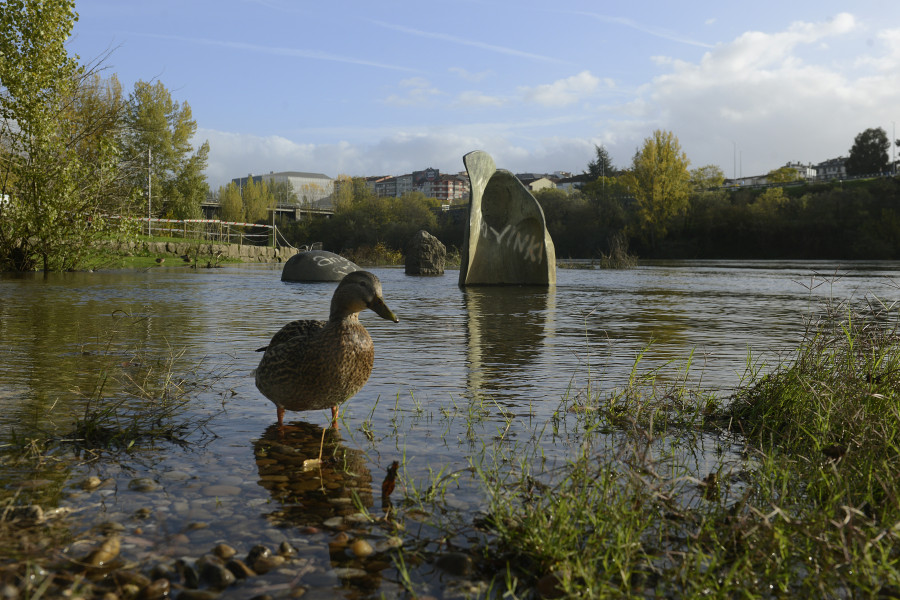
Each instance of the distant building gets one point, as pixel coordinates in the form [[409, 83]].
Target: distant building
[[313, 189], [572, 183], [449, 189], [833, 168], [541, 183], [386, 187], [803, 171]]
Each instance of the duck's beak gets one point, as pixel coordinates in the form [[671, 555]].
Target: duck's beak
[[382, 310]]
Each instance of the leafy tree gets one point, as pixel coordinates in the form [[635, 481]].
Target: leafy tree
[[343, 191], [660, 182], [707, 177], [869, 153], [58, 156], [602, 165], [231, 205], [782, 175], [158, 132], [284, 193], [258, 199]]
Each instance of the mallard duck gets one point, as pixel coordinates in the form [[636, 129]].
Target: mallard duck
[[312, 365]]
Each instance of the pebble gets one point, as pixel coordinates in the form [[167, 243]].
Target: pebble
[[224, 551], [361, 548], [240, 569], [456, 563], [389, 544], [107, 551], [125, 577], [358, 518], [285, 549], [256, 552], [158, 590], [213, 573], [221, 490], [264, 564], [91, 483], [143, 484], [334, 522], [198, 595], [349, 572], [175, 476]]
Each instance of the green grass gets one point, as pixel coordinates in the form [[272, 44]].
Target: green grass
[[808, 507]]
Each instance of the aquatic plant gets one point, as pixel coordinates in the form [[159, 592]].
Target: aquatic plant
[[786, 487]]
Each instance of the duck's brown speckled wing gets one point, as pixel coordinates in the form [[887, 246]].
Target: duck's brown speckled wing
[[313, 365], [295, 330]]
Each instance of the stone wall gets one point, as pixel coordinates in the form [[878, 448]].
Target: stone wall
[[245, 253]]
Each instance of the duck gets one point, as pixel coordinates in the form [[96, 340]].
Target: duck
[[315, 365]]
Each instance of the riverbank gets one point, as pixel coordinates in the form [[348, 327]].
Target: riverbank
[[200, 252]]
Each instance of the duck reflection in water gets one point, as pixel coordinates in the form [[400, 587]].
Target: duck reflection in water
[[322, 502], [313, 365], [309, 496]]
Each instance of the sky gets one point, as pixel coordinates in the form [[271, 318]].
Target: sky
[[386, 88]]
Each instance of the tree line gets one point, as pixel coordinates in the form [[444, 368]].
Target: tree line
[[74, 149], [659, 207]]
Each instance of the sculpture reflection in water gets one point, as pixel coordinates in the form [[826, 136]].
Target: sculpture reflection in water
[[508, 329]]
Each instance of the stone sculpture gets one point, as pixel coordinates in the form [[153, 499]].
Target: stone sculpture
[[425, 255], [317, 265], [505, 240]]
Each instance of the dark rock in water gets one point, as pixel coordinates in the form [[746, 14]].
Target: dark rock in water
[[425, 255], [317, 265], [505, 239], [256, 552], [456, 563], [213, 572], [157, 590], [198, 595], [189, 575], [240, 568]]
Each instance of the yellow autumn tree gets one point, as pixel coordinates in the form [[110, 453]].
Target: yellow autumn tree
[[660, 182]]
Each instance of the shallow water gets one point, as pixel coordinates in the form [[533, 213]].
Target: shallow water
[[461, 367]]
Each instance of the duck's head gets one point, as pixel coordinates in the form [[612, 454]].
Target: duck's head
[[356, 292]]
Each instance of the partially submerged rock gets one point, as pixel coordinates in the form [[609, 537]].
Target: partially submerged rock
[[317, 265], [425, 255]]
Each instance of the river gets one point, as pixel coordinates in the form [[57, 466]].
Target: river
[[460, 367]]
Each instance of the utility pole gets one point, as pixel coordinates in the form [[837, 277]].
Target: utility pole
[[734, 161], [149, 179]]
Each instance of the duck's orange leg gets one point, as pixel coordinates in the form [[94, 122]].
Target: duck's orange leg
[[334, 417], [280, 416]]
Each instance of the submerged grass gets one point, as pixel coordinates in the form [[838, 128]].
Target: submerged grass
[[799, 495]]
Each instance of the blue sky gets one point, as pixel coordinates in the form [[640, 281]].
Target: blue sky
[[374, 88]]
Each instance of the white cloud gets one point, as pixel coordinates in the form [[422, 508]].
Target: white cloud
[[768, 98], [749, 105], [472, 99], [237, 155], [563, 92], [417, 91]]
